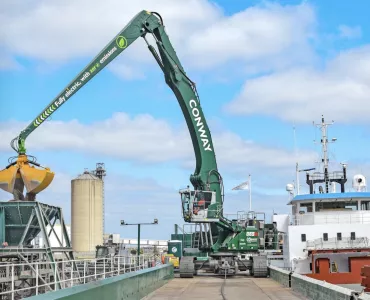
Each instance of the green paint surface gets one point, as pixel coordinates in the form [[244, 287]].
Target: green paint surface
[[14, 217]]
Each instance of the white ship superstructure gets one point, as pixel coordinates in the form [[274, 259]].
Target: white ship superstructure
[[327, 232]]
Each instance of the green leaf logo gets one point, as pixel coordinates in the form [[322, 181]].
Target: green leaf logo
[[121, 42]]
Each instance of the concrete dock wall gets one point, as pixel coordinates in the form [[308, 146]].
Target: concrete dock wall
[[133, 285], [320, 290], [312, 288], [280, 275]]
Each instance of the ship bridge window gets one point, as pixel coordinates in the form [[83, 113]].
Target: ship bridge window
[[365, 205], [306, 207], [336, 206]]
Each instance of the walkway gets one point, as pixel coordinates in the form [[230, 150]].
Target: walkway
[[208, 286]]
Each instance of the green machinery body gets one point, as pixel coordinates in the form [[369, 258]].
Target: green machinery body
[[246, 240], [175, 248], [252, 238]]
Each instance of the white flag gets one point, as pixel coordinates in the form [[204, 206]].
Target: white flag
[[243, 186]]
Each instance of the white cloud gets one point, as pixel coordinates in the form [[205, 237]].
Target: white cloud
[[144, 139], [340, 91], [141, 138], [201, 32], [82, 28], [233, 150], [350, 32], [126, 71], [255, 34]]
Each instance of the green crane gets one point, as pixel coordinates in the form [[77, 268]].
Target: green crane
[[206, 176], [204, 204]]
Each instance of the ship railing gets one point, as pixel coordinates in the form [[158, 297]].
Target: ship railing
[[335, 243], [356, 217], [34, 278], [331, 175]]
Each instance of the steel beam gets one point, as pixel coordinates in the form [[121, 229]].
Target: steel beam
[[49, 252], [26, 229], [33, 269]]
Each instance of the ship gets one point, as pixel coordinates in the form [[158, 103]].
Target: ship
[[327, 232]]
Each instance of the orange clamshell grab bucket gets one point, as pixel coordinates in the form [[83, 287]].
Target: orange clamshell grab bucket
[[35, 180]]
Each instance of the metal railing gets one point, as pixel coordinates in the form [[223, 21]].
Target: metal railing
[[335, 243], [198, 212], [333, 218], [18, 281], [331, 175]]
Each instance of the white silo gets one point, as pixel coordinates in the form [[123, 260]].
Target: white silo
[[87, 212]]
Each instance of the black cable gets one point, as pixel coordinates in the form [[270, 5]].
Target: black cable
[[220, 181], [14, 144], [159, 16], [192, 83], [223, 288], [202, 264], [242, 263], [12, 160]]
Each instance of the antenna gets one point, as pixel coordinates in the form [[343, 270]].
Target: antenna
[[295, 140], [296, 164], [324, 147]]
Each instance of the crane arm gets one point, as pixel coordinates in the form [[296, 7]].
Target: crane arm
[[119, 43], [207, 181]]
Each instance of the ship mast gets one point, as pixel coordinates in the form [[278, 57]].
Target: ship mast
[[324, 146], [339, 177]]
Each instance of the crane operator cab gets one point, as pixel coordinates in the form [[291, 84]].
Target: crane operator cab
[[199, 206]]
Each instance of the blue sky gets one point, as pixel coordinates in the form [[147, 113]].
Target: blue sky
[[261, 68]]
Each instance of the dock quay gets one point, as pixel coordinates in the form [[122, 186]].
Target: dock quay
[[207, 286]]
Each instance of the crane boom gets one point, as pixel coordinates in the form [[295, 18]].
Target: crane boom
[[120, 42], [205, 202], [175, 77]]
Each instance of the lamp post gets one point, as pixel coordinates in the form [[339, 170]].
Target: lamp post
[[155, 222]]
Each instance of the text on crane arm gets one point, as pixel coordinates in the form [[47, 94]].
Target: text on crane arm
[[200, 126]]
